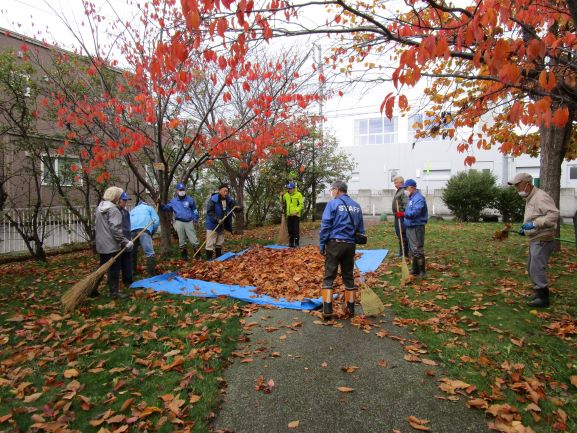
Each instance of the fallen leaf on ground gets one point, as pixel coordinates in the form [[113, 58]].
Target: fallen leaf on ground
[[345, 389]]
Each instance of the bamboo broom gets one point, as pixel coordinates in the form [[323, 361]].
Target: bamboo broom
[[282, 237], [405, 276], [370, 301], [80, 291]]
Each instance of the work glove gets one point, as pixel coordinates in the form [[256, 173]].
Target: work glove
[[521, 232], [129, 245], [399, 214], [528, 226]]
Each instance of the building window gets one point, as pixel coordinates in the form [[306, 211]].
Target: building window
[[375, 131], [355, 177], [61, 170], [437, 174], [573, 172]]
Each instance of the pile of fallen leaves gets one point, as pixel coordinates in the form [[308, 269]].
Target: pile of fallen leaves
[[290, 273]]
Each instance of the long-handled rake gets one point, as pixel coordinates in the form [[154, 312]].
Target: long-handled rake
[[80, 291], [405, 276], [217, 226]]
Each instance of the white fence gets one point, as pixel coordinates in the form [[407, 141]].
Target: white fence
[[56, 225]]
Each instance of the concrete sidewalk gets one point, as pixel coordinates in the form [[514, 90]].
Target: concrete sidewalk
[[305, 361], [304, 358]]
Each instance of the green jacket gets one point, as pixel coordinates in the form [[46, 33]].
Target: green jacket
[[293, 203]]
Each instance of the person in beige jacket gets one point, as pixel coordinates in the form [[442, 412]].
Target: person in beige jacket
[[539, 225]]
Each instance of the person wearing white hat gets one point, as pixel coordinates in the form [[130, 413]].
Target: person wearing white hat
[[539, 226]]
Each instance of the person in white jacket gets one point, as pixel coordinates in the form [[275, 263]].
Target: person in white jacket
[[539, 226]]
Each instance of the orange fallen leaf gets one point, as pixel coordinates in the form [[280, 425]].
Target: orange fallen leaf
[[418, 424], [574, 380], [345, 389], [350, 369], [293, 424], [70, 373], [194, 398]]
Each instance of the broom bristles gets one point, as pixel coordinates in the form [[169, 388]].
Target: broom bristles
[[405, 276], [282, 238], [371, 303], [80, 291]]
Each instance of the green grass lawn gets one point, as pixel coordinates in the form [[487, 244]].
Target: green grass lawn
[[470, 312], [154, 362]]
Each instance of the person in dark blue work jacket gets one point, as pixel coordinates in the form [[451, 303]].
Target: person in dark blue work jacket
[[342, 217], [415, 217], [185, 218], [218, 219]]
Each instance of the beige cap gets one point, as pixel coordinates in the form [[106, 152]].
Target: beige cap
[[521, 177]]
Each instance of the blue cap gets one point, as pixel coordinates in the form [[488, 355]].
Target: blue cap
[[410, 182], [124, 196], [180, 186], [290, 185]]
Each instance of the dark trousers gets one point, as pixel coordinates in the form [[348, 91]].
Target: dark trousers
[[400, 228], [339, 254], [113, 271], [416, 237], [293, 226], [126, 267]]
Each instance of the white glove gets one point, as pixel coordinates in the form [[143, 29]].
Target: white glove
[[129, 245]]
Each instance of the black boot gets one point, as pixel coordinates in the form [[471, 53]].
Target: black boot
[[217, 252], [327, 295], [209, 254], [291, 241], [532, 296], [113, 283], [542, 299], [414, 267], [150, 266], [421, 265], [184, 253], [297, 241]]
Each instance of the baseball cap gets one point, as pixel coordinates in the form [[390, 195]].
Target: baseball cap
[[521, 177], [180, 186], [410, 182], [290, 185], [124, 196]]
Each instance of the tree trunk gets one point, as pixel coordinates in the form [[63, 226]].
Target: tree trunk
[[239, 224], [165, 232], [553, 142]]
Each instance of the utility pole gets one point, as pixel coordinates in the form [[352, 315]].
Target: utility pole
[[320, 68]]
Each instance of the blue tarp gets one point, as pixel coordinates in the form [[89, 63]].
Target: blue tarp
[[173, 283]]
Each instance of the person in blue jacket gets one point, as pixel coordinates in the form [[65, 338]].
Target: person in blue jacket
[[140, 217], [218, 219], [341, 218], [415, 216], [185, 218]]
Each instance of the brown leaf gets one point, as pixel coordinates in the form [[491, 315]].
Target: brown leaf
[[478, 403], [32, 397], [194, 398], [293, 424], [429, 362], [418, 424], [574, 380], [345, 389], [350, 369], [70, 373]]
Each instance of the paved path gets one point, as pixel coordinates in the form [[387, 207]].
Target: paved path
[[290, 369]]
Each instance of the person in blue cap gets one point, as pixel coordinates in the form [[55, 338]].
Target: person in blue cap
[[293, 201], [126, 256], [185, 218], [341, 218], [415, 217], [140, 217], [219, 209]]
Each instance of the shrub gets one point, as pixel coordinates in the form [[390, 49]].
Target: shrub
[[468, 193], [509, 204]]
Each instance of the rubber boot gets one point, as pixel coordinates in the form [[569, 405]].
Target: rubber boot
[[422, 267], [113, 283], [217, 252], [414, 267], [184, 253], [532, 296], [327, 294], [297, 241], [350, 302], [209, 254], [150, 266], [542, 299]]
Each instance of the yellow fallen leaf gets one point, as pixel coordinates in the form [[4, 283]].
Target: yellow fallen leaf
[[194, 398], [32, 397], [293, 424], [70, 373], [345, 389]]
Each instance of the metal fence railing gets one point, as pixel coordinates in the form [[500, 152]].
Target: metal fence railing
[[57, 226]]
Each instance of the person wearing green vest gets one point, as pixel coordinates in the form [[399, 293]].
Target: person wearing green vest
[[294, 204]]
